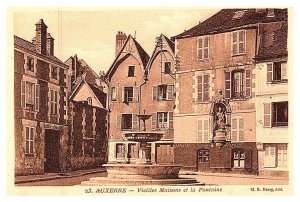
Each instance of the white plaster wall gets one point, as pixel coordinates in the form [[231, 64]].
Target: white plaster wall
[[86, 92]]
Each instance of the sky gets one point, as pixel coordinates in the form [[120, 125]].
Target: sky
[[90, 33]]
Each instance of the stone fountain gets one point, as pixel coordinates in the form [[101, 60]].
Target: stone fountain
[[142, 172]]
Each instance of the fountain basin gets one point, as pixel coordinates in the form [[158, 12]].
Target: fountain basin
[[136, 171], [143, 136]]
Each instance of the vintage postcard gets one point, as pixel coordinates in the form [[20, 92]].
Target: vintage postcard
[[143, 101]]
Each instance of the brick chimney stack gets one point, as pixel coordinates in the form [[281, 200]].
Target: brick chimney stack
[[41, 37], [120, 40], [50, 45]]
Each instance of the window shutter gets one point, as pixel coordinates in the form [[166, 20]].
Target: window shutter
[[248, 82], [154, 93], [284, 71], [153, 121], [135, 94], [200, 94], [200, 48], [23, 94], [123, 94], [206, 47], [248, 158], [227, 85], [269, 72], [56, 102], [200, 131], [37, 97], [234, 130], [267, 114], [134, 122], [241, 130], [205, 132], [169, 92], [270, 157], [118, 122], [170, 120], [234, 43], [206, 88]]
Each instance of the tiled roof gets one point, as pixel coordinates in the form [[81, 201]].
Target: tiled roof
[[224, 20], [144, 56], [273, 41], [31, 47]]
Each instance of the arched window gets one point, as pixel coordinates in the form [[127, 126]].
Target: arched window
[[238, 158]]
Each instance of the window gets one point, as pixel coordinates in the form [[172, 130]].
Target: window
[[237, 129], [276, 114], [162, 120], [113, 94], [90, 100], [30, 64], [203, 88], [163, 92], [30, 95], [238, 158], [129, 122], [54, 72], [203, 48], [53, 101], [167, 68], [203, 131], [275, 155], [130, 94], [277, 72], [238, 42], [120, 151], [239, 14], [132, 150], [203, 156], [131, 71], [238, 84], [29, 140]]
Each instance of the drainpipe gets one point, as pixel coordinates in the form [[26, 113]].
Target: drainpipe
[[140, 96]]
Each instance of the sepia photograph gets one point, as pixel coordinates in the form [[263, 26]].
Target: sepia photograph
[[135, 101]]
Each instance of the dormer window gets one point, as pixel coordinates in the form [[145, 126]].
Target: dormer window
[[90, 100], [54, 72], [131, 71], [238, 14], [30, 64]]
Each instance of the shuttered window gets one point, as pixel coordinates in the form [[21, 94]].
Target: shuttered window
[[282, 155], [238, 42], [130, 94], [113, 94], [162, 120], [203, 47], [163, 92], [277, 72], [237, 129], [30, 95], [203, 88], [53, 102], [203, 130], [275, 156], [29, 140]]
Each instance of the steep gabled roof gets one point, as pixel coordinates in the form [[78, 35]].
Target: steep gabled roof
[[226, 19], [101, 96], [143, 56], [272, 41], [169, 46], [28, 46]]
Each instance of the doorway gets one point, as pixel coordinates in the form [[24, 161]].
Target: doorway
[[51, 164], [203, 160]]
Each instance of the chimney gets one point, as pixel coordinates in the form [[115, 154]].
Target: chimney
[[41, 37], [120, 40], [50, 45]]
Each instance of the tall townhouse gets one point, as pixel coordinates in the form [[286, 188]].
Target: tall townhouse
[[272, 119], [124, 78], [40, 105], [215, 118], [87, 116], [158, 99]]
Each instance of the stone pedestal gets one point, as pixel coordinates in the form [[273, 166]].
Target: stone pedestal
[[220, 137]]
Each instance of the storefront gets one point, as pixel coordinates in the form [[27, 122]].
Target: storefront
[[206, 157]]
